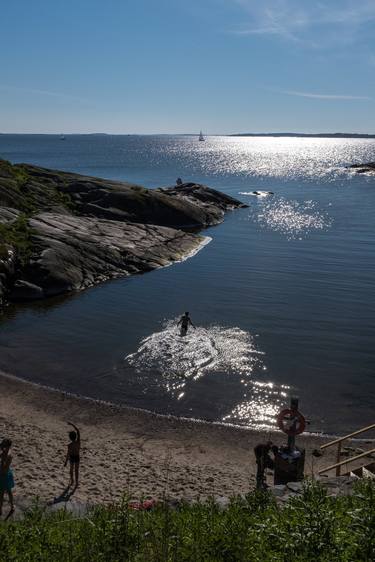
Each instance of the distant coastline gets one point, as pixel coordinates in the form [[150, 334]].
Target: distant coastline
[[308, 135], [282, 135]]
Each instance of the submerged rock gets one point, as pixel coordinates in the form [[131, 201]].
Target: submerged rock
[[25, 291]]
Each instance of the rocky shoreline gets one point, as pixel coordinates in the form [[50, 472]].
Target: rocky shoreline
[[367, 168], [62, 232]]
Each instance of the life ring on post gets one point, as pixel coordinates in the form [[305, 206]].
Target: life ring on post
[[291, 422]]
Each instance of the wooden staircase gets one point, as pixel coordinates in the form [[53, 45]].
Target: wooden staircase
[[366, 470]]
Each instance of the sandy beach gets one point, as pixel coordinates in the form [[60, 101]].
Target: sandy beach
[[126, 451]]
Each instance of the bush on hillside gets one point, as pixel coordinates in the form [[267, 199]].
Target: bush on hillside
[[312, 527]]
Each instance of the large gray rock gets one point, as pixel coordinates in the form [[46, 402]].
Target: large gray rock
[[188, 206], [72, 253], [7, 254], [83, 230], [7, 270], [8, 215]]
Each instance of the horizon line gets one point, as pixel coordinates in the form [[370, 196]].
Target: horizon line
[[254, 133]]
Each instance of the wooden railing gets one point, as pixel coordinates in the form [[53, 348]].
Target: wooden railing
[[339, 443]]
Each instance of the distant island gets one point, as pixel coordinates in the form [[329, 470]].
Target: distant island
[[308, 135]]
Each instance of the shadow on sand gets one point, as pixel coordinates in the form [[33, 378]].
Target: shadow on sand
[[64, 496]]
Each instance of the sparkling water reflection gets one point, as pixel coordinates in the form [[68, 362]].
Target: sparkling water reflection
[[262, 403], [267, 157], [180, 359], [291, 218]]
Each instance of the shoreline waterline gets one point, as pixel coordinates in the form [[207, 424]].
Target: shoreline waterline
[[128, 451], [123, 408]]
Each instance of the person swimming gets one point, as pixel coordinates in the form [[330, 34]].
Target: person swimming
[[72, 454], [185, 322], [6, 475]]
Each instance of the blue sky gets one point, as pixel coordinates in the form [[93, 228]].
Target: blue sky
[[159, 66]]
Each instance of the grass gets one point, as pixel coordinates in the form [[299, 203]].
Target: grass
[[312, 527], [34, 194], [30, 197], [18, 235]]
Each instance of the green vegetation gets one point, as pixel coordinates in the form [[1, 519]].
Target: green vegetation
[[312, 527], [18, 235], [29, 196], [32, 193]]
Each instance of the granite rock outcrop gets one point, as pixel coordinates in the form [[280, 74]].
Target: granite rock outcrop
[[62, 232]]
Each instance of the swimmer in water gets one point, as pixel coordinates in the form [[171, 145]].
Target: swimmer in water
[[185, 322]]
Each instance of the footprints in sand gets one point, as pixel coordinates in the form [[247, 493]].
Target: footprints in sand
[[116, 462]]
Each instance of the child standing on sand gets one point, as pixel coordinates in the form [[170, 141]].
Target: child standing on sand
[[72, 454], [6, 474]]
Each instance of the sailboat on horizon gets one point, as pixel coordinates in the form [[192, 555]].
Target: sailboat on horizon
[[201, 137]]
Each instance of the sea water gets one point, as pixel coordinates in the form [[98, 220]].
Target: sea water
[[282, 297]]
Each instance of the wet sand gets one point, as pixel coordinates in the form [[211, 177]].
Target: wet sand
[[127, 451]]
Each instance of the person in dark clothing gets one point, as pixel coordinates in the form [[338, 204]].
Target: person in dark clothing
[[178, 181], [6, 475], [263, 460], [72, 454], [185, 322]]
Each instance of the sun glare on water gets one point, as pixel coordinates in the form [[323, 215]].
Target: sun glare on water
[[180, 361], [291, 218]]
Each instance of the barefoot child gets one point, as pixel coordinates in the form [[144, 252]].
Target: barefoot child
[[6, 474], [72, 454]]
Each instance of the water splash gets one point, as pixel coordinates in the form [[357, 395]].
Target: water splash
[[291, 218], [202, 351]]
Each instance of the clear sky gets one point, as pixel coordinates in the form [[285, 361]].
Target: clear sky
[[159, 66]]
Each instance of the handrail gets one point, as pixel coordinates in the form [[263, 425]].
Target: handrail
[[340, 439], [338, 464]]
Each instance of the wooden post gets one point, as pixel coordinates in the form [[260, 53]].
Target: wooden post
[[338, 458]]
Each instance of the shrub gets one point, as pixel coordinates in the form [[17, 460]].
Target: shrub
[[16, 234], [312, 527]]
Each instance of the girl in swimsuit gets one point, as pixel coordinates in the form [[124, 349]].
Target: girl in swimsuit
[[72, 454], [6, 475]]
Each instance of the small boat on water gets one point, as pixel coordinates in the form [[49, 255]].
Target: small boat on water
[[62, 137], [201, 137]]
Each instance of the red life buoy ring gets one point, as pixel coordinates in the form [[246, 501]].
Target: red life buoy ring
[[291, 422]]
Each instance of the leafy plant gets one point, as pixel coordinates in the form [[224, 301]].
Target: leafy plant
[[18, 235], [312, 527]]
